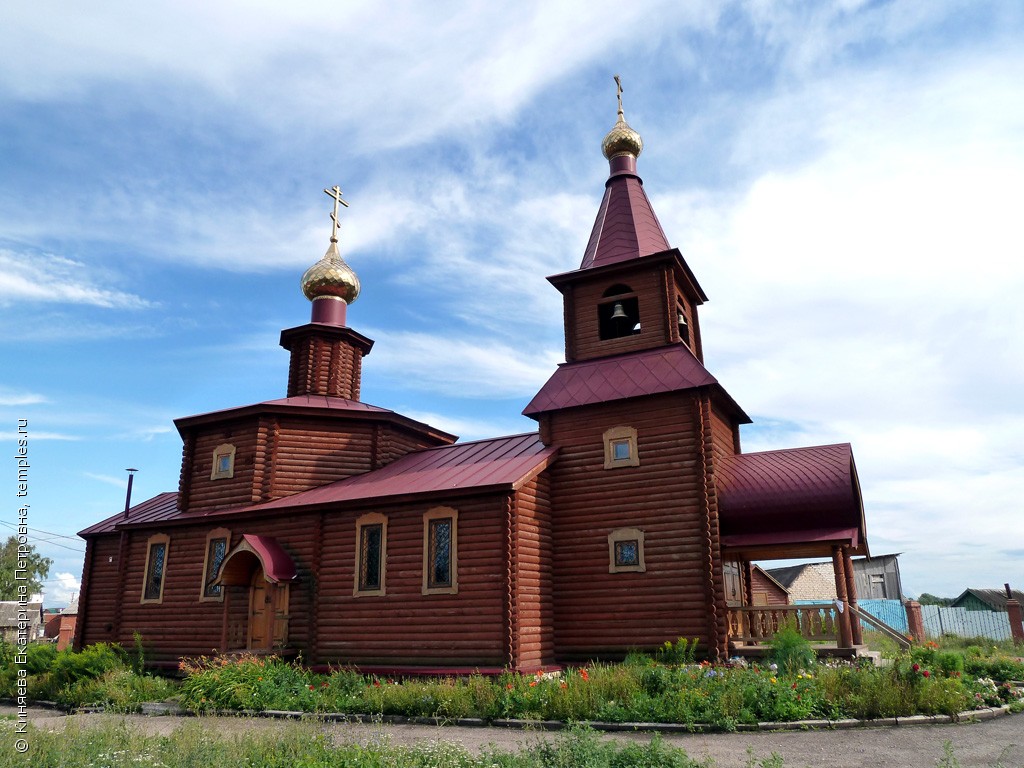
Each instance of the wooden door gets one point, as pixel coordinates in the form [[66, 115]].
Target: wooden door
[[261, 612]]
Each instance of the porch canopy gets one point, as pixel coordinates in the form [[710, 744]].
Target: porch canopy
[[793, 503], [266, 551]]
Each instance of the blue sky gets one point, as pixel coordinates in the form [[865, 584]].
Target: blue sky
[[843, 177]]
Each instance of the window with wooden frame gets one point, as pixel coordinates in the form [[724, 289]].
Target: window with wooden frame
[[157, 548], [626, 551], [217, 542], [223, 462], [440, 551], [620, 448], [371, 555]]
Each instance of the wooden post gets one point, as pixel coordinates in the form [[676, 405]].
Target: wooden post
[[851, 596], [224, 620], [845, 631]]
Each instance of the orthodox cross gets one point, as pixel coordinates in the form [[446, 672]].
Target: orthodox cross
[[336, 193], [618, 92]]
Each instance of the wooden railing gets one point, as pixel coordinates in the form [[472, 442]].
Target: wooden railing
[[757, 624]]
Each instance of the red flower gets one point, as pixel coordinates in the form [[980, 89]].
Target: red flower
[[510, 686], [533, 683], [584, 675], [794, 686], [916, 667], [312, 687], [376, 683], [926, 673]]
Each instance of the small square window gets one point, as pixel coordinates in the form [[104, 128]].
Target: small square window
[[627, 553], [223, 462], [620, 450]]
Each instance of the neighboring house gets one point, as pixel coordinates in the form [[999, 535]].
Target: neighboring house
[[13, 614], [986, 599], [320, 524], [67, 625], [876, 578], [767, 590], [807, 581]]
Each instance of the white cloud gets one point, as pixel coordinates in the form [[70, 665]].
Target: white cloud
[[468, 428], [459, 366], [10, 398], [62, 589], [49, 278]]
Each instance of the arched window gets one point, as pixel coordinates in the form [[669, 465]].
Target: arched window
[[618, 313]]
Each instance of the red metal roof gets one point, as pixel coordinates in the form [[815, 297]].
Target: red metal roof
[[797, 495], [163, 506], [670, 368], [498, 462], [312, 403], [626, 226], [278, 565]]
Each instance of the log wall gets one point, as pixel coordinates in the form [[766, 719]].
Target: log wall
[[602, 613], [181, 624], [97, 606], [532, 609], [404, 626]]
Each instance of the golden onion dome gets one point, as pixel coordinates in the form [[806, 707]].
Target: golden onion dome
[[622, 140], [331, 277]]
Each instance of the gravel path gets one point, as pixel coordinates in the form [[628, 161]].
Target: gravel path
[[997, 742]]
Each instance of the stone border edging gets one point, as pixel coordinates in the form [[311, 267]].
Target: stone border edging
[[152, 709]]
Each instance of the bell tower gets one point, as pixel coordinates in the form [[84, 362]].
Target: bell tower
[[327, 355], [632, 291]]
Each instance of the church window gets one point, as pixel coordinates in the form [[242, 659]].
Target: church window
[[620, 448], [216, 549], [156, 568], [223, 462], [626, 551], [618, 313], [440, 551], [371, 554]]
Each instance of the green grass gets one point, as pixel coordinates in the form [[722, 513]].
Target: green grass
[[305, 745]]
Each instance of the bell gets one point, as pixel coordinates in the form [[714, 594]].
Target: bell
[[681, 319], [618, 313]]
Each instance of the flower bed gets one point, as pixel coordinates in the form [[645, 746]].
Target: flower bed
[[720, 696]]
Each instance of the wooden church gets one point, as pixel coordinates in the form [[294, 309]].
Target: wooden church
[[320, 524]]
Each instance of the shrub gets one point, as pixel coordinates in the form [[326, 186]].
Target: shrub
[[791, 651]]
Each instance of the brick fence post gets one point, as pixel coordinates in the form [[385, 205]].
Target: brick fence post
[[1013, 613], [915, 621]]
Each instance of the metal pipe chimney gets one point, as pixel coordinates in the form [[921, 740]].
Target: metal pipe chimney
[[128, 497]]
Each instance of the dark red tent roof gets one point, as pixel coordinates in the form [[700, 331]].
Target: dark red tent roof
[[626, 226], [798, 497]]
